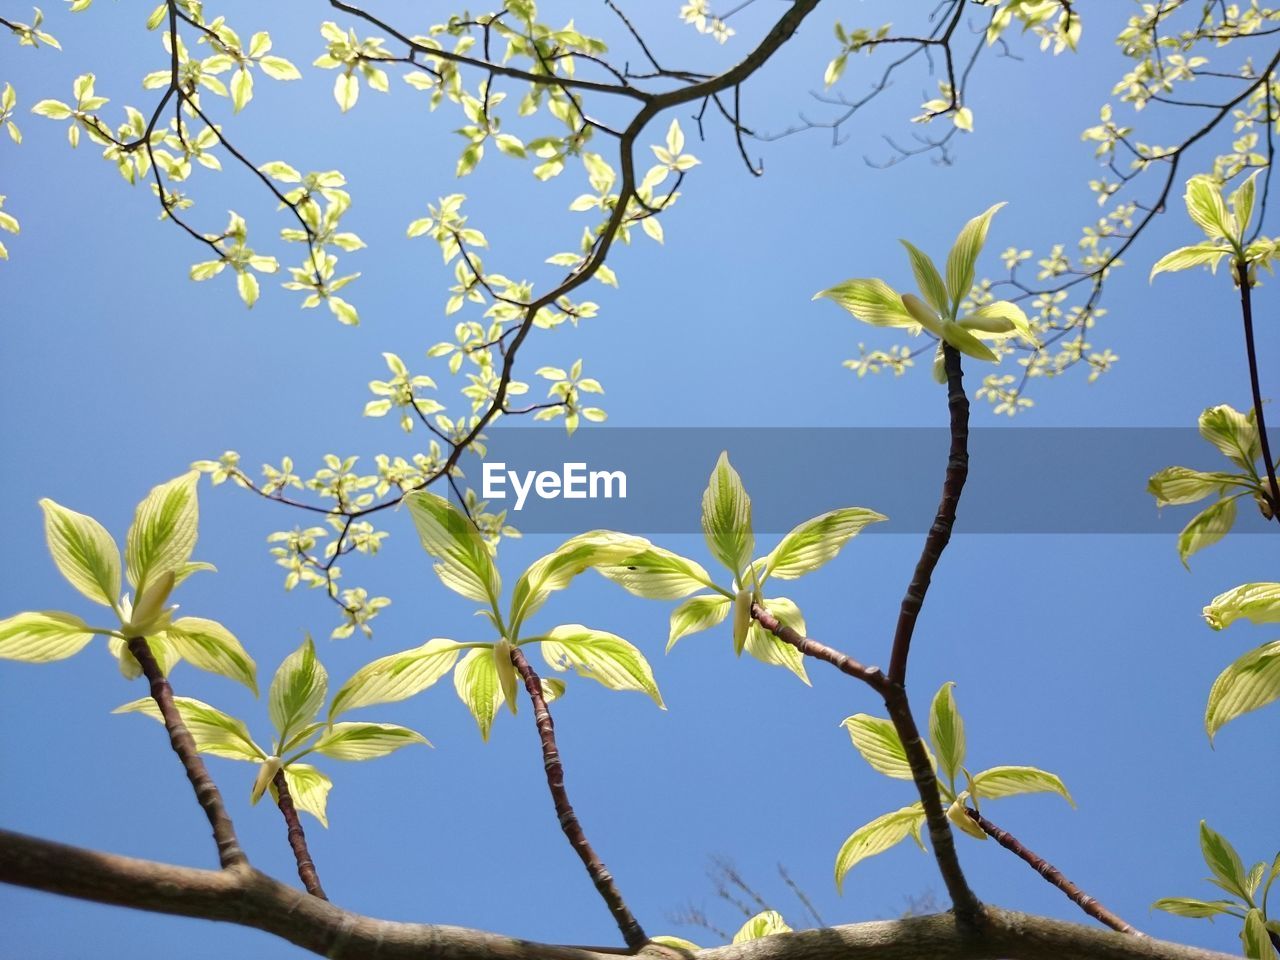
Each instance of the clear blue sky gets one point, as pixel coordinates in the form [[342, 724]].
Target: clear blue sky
[[1083, 655]]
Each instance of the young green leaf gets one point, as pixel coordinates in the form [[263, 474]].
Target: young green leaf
[[964, 256], [365, 741], [1232, 432], [84, 552], [476, 682], [997, 782], [928, 279], [878, 742], [163, 532], [214, 732], [1184, 258], [506, 671], [465, 565], [1251, 682], [297, 690], [1204, 204], [1222, 860], [726, 517], [1241, 203], [601, 656], [309, 789], [767, 648], [1196, 909], [165, 656], [696, 614], [946, 730], [1257, 943], [556, 570], [395, 677], [961, 820], [814, 542], [1178, 485], [871, 301], [877, 837], [1255, 602], [656, 573], [208, 645], [1206, 528], [763, 924], [42, 636]]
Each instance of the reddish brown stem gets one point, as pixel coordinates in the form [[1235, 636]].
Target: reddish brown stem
[[940, 533], [184, 745], [632, 932], [967, 905], [1052, 874], [297, 837], [1246, 312]]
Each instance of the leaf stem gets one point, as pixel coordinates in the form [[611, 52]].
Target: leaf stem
[[184, 745], [632, 932], [297, 837]]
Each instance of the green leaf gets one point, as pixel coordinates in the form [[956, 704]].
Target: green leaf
[[960, 819], [814, 542], [696, 614], [297, 690], [1196, 909], [165, 656], [557, 569], [83, 551], [658, 574], [1257, 944], [878, 742], [946, 730], [871, 301], [42, 636], [1241, 204], [1204, 204], [964, 256], [1251, 682], [602, 656], [346, 90], [928, 280], [726, 517], [396, 677], [1184, 258], [1178, 485], [1222, 860], [476, 681], [1255, 602], [164, 530], [1232, 432], [465, 565], [309, 789], [767, 648], [877, 837], [763, 924], [208, 645], [365, 741], [967, 343], [997, 782], [214, 732], [676, 943], [1206, 528]]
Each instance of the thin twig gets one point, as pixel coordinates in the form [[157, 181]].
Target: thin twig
[[1246, 312]]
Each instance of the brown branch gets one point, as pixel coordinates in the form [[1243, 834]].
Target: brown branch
[[184, 745], [940, 533], [297, 837], [632, 932], [1052, 874], [248, 898], [1246, 312], [966, 904]]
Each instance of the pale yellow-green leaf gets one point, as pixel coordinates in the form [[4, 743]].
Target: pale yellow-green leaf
[[396, 677], [83, 551], [42, 636]]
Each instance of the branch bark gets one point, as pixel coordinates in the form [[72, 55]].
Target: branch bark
[[297, 837], [244, 896], [184, 745], [632, 932], [1246, 312]]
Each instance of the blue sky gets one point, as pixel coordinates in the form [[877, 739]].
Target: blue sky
[[1083, 655]]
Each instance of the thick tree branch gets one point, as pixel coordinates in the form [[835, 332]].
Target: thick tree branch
[[632, 932], [297, 837], [248, 898], [940, 533], [1052, 874], [184, 745]]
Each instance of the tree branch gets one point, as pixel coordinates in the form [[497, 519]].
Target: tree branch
[[632, 932], [940, 533], [1246, 311], [184, 745], [246, 897], [297, 837], [1052, 874]]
